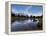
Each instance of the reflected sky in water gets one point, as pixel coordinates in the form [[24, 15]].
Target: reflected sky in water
[[24, 25]]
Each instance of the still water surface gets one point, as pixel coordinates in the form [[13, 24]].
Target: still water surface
[[22, 25]]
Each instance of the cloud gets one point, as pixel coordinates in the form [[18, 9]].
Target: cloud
[[26, 12], [37, 14], [14, 11], [28, 8]]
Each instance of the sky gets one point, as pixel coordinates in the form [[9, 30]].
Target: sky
[[34, 10]]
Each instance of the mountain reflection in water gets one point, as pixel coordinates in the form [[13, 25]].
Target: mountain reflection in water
[[22, 25]]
